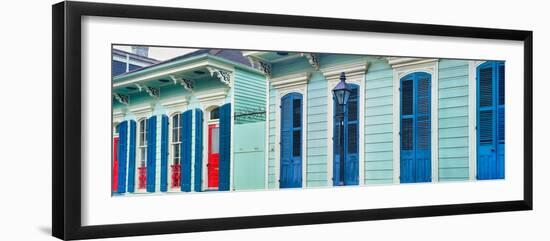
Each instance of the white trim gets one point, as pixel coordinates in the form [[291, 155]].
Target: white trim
[[138, 153], [215, 97], [266, 148], [294, 83], [175, 104], [355, 74], [472, 117], [142, 111], [205, 122], [402, 68], [288, 81]]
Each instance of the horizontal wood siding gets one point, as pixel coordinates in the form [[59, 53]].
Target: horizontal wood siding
[[453, 120], [379, 123], [250, 94], [317, 131]]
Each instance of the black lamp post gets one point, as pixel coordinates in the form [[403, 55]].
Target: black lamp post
[[341, 93]]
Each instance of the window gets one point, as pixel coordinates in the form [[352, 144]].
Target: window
[[215, 114], [490, 120], [118, 68], [176, 139], [415, 121], [142, 143], [346, 139]]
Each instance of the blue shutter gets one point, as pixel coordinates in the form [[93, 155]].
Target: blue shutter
[[225, 147], [423, 128], [123, 136], [291, 141], [198, 150], [132, 157], [164, 154], [500, 122], [351, 137], [151, 152], [186, 141], [490, 120], [415, 128]]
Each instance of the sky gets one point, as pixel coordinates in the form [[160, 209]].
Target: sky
[[160, 53]]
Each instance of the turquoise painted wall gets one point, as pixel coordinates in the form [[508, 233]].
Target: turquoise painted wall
[[379, 123], [453, 120], [249, 156], [250, 94], [317, 131], [248, 135]]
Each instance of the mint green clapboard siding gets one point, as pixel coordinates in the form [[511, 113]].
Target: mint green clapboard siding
[[249, 164], [453, 120], [378, 123], [317, 131], [249, 91], [249, 94]]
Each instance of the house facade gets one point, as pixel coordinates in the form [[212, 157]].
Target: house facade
[[232, 120]]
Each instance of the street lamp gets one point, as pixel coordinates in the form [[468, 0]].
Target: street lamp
[[341, 93]]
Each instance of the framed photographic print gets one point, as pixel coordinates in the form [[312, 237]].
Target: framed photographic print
[[170, 120]]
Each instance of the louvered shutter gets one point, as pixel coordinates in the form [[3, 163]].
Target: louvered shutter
[[198, 150], [164, 154], [423, 128], [225, 147], [186, 141], [286, 142], [351, 137], [500, 121], [486, 159], [337, 179], [122, 149], [132, 157], [407, 162], [151, 152]]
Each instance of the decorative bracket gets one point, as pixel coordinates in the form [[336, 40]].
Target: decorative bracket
[[123, 99], [224, 76], [152, 91], [313, 60], [186, 83], [265, 67]]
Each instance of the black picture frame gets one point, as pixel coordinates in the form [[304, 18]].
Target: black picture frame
[[67, 136]]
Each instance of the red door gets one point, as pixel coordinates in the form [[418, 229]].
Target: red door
[[115, 165], [213, 155]]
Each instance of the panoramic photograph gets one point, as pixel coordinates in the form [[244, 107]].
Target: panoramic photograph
[[188, 120]]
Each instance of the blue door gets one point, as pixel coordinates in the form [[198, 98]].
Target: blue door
[[490, 120], [291, 141], [415, 115], [346, 173]]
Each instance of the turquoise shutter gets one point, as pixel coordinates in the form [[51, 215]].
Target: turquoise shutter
[[122, 144], [132, 157], [423, 128], [151, 152], [351, 137], [225, 147], [186, 141], [198, 150], [164, 154]]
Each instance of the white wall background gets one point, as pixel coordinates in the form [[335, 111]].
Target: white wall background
[[25, 123]]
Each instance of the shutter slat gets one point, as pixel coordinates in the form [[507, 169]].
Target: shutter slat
[[132, 157], [122, 145], [151, 153], [225, 148], [164, 155], [186, 142]]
